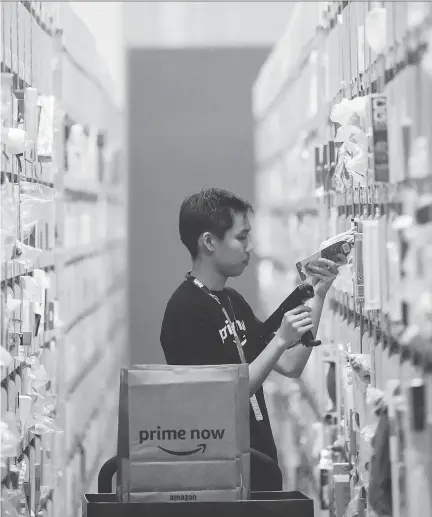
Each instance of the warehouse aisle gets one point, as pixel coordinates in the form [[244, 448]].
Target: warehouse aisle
[[326, 130]]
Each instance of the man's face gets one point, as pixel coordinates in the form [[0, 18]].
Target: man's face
[[232, 253]]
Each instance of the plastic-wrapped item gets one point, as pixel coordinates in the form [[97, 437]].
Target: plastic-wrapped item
[[36, 205], [9, 435], [374, 402], [361, 365], [357, 504], [16, 498], [347, 237], [12, 305], [33, 297], [349, 112], [28, 255], [376, 29], [42, 419], [38, 191], [32, 290], [38, 375], [6, 359], [380, 487], [325, 467], [6, 100], [356, 162], [41, 425], [375, 398], [14, 140], [45, 137], [352, 159], [8, 224], [75, 149], [45, 406], [9, 502]]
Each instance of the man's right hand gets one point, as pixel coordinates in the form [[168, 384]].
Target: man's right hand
[[294, 324]]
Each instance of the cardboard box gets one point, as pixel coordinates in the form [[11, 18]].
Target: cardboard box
[[185, 475], [183, 428]]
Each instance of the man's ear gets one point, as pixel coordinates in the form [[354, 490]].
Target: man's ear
[[207, 240]]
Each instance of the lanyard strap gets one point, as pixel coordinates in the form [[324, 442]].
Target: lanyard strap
[[253, 400], [201, 286]]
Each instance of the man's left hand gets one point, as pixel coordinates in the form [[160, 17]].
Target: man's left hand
[[324, 273]]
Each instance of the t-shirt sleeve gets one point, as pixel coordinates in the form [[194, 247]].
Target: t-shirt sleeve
[[188, 337]]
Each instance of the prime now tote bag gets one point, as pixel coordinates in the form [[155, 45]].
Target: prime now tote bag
[[184, 433]]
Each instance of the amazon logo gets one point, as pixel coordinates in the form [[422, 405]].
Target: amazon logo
[[160, 434]]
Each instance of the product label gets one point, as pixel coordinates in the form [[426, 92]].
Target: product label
[[184, 498], [358, 261], [379, 138], [199, 496], [256, 408], [330, 253], [181, 434]]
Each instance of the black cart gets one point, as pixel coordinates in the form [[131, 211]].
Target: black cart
[[261, 504]]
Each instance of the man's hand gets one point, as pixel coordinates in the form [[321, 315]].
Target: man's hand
[[295, 323], [324, 273]]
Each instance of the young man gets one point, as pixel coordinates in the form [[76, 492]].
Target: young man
[[197, 326]]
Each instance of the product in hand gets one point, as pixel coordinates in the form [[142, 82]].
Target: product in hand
[[341, 244]]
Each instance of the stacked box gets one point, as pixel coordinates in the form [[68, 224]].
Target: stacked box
[[184, 433]]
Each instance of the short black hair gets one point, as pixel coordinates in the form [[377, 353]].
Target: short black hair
[[210, 210]]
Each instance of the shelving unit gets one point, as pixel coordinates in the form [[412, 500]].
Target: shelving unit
[[63, 310], [376, 322]]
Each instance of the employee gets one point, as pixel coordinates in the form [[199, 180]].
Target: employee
[[197, 328]]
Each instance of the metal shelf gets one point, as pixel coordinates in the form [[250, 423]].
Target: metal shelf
[[13, 269], [53, 35]]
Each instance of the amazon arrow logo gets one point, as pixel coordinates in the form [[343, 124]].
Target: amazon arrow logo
[[201, 447]]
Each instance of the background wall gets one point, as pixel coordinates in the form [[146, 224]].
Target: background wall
[[204, 24], [190, 126]]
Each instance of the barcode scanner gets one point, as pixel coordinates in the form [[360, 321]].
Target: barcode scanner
[[301, 294]]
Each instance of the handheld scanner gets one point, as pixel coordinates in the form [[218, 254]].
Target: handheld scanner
[[300, 295]]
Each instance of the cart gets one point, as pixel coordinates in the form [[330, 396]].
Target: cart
[[261, 504]]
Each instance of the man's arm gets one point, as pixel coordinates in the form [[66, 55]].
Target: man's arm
[[323, 273], [260, 369], [195, 342], [292, 362]]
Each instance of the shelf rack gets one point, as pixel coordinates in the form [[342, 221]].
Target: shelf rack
[[323, 58], [81, 340]]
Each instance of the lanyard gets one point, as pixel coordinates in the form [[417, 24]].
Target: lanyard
[[200, 285]]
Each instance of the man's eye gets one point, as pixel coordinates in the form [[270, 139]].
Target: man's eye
[[242, 237]]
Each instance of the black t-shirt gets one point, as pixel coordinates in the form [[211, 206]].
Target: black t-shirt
[[195, 332]]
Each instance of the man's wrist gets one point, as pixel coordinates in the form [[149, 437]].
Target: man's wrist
[[322, 295], [322, 292], [279, 343], [282, 343]]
